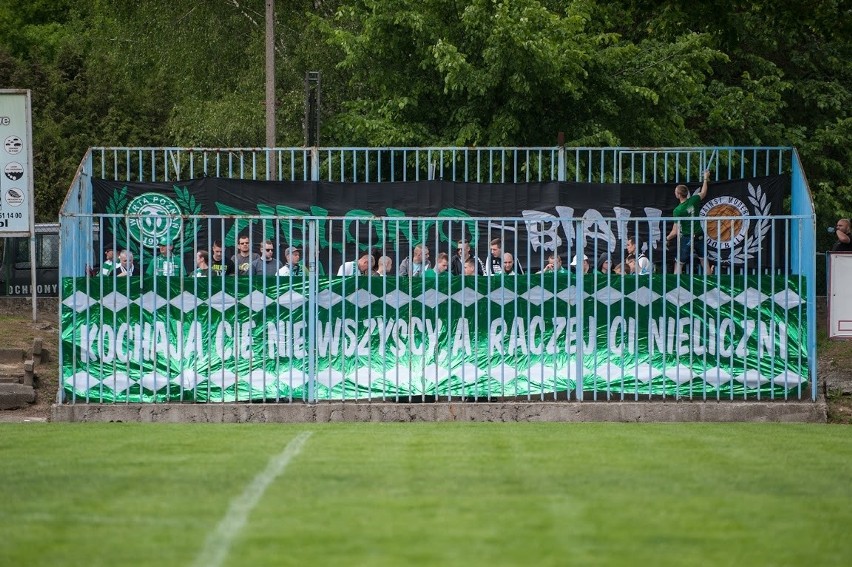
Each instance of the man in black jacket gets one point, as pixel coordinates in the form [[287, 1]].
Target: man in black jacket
[[463, 253]]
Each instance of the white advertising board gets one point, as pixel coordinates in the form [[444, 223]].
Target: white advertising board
[[16, 165], [839, 295]]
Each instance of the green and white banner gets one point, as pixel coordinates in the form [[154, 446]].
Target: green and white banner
[[225, 339]]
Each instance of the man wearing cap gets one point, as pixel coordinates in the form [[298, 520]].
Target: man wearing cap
[[291, 267], [109, 263], [165, 263], [585, 263]]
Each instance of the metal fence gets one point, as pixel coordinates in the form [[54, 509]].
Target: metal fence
[[712, 330], [477, 165], [592, 321]]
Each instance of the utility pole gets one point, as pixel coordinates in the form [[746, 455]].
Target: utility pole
[[312, 108], [312, 119], [270, 88]]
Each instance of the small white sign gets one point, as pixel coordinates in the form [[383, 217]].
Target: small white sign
[[14, 171], [13, 144], [16, 180], [15, 196]]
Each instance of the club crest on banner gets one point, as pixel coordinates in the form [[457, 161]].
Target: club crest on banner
[[153, 218], [732, 236]]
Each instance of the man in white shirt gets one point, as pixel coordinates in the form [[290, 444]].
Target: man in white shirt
[[291, 267], [125, 263], [363, 267]]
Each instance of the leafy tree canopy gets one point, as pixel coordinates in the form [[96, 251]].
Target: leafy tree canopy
[[428, 72]]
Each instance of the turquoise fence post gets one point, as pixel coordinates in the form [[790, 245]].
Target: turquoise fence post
[[313, 261]]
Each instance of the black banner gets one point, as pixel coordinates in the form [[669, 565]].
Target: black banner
[[609, 213]]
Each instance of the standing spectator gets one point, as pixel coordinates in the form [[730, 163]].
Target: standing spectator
[[292, 265], [417, 264], [241, 262], [109, 263], [843, 231], [202, 265], [125, 264], [363, 267], [166, 263], [642, 264], [268, 264], [457, 263], [218, 265], [604, 263], [495, 258], [685, 231]]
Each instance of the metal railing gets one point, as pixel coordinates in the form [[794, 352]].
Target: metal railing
[[787, 277], [723, 330], [476, 165]]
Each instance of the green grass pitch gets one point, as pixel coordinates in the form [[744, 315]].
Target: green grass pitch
[[427, 494]]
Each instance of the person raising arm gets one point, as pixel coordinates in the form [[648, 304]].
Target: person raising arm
[[683, 231]]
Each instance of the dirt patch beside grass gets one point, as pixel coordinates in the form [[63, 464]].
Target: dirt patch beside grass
[[834, 368], [17, 330]]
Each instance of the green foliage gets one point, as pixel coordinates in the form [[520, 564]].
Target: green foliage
[[786, 80], [437, 72]]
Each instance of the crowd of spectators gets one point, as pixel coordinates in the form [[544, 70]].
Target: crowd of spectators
[[686, 238], [465, 262]]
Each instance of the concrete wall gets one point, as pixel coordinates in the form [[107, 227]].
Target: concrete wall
[[683, 411]]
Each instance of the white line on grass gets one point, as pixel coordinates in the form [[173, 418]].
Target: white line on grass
[[218, 543]]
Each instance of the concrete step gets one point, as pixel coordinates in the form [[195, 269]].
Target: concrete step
[[12, 370], [14, 396], [11, 355], [17, 372]]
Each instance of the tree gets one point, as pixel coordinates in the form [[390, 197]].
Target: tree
[[437, 72]]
